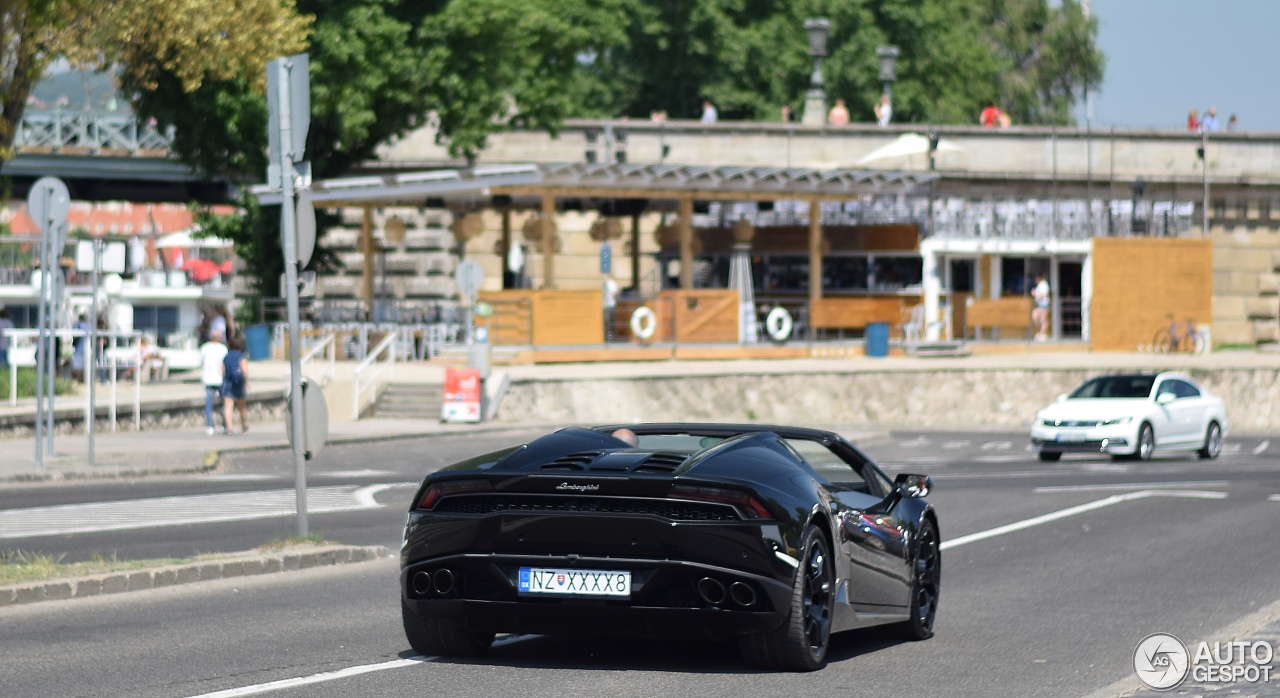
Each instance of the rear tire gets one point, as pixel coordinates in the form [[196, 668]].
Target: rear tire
[[1051, 456], [800, 643], [1212, 443], [925, 585], [1164, 342], [431, 637]]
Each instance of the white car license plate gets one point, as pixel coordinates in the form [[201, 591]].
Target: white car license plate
[[538, 580], [1071, 438]]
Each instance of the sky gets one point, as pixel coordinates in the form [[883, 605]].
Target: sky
[[1166, 57]]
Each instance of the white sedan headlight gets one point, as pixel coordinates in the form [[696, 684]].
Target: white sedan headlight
[[1113, 422]]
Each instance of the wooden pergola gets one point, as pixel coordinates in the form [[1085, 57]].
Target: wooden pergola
[[539, 186]]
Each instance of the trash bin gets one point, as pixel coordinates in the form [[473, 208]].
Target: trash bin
[[877, 340], [257, 339]]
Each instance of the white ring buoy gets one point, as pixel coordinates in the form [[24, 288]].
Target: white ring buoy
[[778, 323], [643, 322]]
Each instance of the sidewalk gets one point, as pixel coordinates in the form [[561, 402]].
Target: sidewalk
[[190, 449]]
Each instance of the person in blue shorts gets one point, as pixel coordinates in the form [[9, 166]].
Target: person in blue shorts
[[235, 384]]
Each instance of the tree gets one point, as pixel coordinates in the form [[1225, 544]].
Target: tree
[[751, 56], [378, 69], [193, 40]]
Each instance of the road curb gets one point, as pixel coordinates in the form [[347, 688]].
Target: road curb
[[238, 565]]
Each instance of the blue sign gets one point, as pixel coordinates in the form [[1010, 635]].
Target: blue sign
[[606, 258]]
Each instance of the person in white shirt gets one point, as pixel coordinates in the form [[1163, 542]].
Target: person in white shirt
[[212, 353], [709, 113], [1040, 314], [609, 296]]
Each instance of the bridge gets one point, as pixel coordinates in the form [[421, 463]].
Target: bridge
[[104, 156]]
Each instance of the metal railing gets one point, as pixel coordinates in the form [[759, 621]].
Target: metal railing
[[121, 354], [327, 346], [89, 131], [360, 381]]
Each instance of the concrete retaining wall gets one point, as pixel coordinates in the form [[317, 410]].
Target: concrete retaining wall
[[934, 398]]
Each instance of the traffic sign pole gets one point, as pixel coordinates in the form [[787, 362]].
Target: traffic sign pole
[[289, 154], [48, 203]]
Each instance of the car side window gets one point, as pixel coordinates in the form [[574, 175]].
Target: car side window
[[829, 466], [1167, 386], [1185, 389]]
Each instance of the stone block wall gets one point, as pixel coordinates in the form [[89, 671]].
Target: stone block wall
[[1246, 285], [960, 398]]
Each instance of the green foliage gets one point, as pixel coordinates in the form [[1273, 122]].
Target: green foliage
[[750, 57], [27, 384]]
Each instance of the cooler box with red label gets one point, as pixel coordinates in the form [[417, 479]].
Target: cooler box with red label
[[461, 395]]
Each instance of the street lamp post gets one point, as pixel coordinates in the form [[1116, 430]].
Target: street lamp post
[[888, 56], [815, 102]]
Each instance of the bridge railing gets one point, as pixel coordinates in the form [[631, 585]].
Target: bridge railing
[[91, 132]]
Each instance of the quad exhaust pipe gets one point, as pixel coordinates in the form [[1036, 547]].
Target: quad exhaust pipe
[[742, 594], [711, 591], [422, 583], [443, 581]]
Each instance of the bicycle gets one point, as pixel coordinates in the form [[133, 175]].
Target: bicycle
[[1169, 339]]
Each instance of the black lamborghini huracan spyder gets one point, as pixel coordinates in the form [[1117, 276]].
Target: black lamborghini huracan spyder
[[776, 536]]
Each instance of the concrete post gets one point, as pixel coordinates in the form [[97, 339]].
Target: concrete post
[[366, 269], [506, 247], [815, 259], [548, 241], [932, 289], [686, 243]]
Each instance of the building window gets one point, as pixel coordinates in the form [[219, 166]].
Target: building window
[[158, 320]]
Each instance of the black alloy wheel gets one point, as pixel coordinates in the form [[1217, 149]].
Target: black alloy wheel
[[801, 642], [431, 637], [1212, 442], [925, 585]]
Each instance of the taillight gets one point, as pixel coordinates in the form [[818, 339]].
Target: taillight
[[749, 505], [442, 489]]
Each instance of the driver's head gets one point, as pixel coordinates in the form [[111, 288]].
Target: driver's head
[[627, 436]]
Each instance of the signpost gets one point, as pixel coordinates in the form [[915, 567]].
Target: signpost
[[95, 257], [289, 118], [48, 203]]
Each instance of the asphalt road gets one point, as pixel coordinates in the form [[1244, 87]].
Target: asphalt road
[[1055, 609]]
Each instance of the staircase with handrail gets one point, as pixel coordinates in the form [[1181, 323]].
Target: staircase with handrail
[[368, 372]]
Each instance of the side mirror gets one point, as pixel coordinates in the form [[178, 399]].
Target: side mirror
[[1062, 397], [913, 486], [1166, 398]]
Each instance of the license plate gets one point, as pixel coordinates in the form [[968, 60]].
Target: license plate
[[1074, 438], [539, 580]]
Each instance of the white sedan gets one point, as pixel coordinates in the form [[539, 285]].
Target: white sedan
[[1132, 416]]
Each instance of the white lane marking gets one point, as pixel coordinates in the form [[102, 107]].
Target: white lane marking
[[1257, 450], [999, 459], [1274, 498], [1130, 486], [314, 678], [918, 441], [997, 446], [340, 673], [1230, 449], [236, 477], [955, 444], [1106, 467], [1078, 509], [64, 519], [353, 473]]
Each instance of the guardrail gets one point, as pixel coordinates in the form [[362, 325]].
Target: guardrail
[[376, 368]]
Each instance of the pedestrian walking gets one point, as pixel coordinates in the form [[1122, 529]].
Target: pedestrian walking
[[788, 114], [709, 113], [839, 114], [1210, 122], [609, 297], [79, 345], [212, 353], [5, 325], [1193, 120], [990, 115], [235, 385], [884, 111], [1040, 314]]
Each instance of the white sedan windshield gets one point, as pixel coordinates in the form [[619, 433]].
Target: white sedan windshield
[[1115, 387]]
